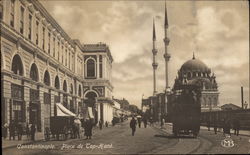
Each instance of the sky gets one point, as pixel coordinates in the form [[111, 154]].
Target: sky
[[216, 31]]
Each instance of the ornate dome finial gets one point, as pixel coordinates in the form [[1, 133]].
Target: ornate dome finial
[[193, 56]]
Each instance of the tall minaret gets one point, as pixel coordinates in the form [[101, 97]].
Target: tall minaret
[[166, 42], [154, 64]]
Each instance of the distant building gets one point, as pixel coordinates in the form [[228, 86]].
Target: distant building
[[230, 106], [196, 72]]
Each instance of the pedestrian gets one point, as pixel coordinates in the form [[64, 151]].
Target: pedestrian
[[208, 124], [5, 130], [139, 122], [12, 130], [106, 124], [113, 121], [145, 122], [100, 124], [133, 125], [236, 125], [215, 126], [226, 127], [33, 131], [28, 131], [88, 128], [19, 131], [162, 122], [151, 121]]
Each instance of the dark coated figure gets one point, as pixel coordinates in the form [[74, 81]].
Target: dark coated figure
[[133, 125]]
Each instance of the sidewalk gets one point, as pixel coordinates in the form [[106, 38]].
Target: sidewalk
[[168, 128], [241, 132], [13, 143]]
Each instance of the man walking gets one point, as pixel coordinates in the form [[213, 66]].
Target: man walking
[[12, 129], [215, 126], [100, 124], [133, 125], [145, 122], [88, 129], [236, 126], [33, 131]]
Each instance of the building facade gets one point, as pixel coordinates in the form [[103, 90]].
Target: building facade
[[41, 65]]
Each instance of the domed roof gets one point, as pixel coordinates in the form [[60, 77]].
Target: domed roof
[[194, 65]]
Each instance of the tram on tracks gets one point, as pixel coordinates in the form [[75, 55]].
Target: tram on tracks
[[185, 110]]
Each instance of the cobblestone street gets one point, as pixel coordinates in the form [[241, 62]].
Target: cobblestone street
[[118, 140]]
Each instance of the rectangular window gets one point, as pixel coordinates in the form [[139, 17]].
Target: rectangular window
[[100, 66], [30, 26], [69, 60], [21, 19], [1, 10], [37, 29], [49, 43], [43, 41], [54, 47], [62, 54], [58, 51], [66, 51], [12, 12]]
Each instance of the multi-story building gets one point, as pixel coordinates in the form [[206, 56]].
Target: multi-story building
[[41, 66]]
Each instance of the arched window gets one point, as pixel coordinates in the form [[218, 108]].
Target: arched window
[[34, 72], [90, 68], [71, 88], [65, 86], [189, 75], [46, 78], [57, 83], [80, 91], [17, 65]]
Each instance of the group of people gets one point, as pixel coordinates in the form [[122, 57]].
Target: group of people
[[226, 125], [18, 129]]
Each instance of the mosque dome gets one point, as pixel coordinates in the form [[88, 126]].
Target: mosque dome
[[195, 65]]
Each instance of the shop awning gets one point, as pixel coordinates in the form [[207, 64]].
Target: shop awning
[[62, 111], [90, 112]]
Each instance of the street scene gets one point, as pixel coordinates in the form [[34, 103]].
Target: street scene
[[124, 77], [152, 139]]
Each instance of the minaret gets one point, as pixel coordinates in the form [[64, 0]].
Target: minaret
[[154, 64], [166, 42]]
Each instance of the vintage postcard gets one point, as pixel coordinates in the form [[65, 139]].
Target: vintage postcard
[[124, 77]]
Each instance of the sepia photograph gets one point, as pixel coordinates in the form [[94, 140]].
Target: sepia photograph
[[124, 77]]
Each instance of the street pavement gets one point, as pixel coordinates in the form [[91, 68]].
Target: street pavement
[[153, 140]]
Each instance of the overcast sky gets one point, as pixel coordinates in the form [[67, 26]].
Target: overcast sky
[[216, 31]]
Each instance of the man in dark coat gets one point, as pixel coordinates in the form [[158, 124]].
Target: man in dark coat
[[100, 124], [88, 129], [19, 131], [215, 126], [139, 122], [33, 131], [133, 125], [145, 122], [12, 130], [236, 126], [227, 127], [28, 131]]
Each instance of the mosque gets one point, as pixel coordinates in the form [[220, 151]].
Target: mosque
[[195, 72]]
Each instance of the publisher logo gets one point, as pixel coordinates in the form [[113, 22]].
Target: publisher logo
[[227, 142]]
